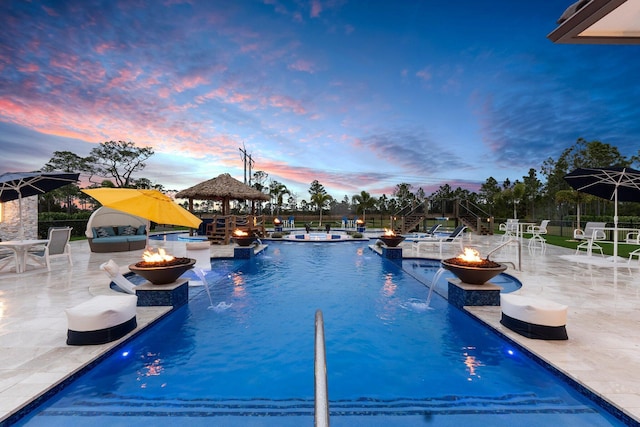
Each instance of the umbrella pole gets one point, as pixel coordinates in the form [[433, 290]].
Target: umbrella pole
[[21, 234], [615, 226]]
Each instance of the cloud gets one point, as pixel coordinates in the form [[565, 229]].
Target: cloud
[[302, 65]]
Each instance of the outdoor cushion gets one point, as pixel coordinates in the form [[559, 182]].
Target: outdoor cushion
[[111, 239], [127, 230], [101, 319], [534, 317], [142, 230], [103, 231]]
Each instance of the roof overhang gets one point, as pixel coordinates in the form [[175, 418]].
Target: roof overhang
[[599, 22]]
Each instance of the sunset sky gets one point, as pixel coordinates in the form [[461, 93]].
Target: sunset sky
[[360, 95]]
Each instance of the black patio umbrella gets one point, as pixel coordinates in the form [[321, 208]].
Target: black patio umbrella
[[16, 185], [614, 183]]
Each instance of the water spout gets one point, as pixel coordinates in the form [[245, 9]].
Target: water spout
[[435, 279], [200, 273]]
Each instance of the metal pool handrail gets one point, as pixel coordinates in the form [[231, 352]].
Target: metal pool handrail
[[508, 242], [321, 388]]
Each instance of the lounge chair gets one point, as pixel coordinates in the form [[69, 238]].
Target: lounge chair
[[454, 238], [432, 231], [57, 247]]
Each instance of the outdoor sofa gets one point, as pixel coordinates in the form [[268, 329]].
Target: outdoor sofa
[[109, 230]]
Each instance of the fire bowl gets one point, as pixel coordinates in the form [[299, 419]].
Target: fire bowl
[[163, 274], [244, 240], [391, 241], [472, 274]]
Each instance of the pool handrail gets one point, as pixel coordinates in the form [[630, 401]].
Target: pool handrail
[[321, 388]]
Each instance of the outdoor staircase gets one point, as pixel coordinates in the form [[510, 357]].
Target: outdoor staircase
[[466, 213], [408, 218], [474, 217]]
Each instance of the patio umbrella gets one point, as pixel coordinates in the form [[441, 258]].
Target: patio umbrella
[[149, 204], [223, 188], [617, 184], [16, 185]]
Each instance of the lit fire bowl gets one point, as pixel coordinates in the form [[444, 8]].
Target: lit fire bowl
[[162, 272], [391, 241], [244, 241], [474, 273]]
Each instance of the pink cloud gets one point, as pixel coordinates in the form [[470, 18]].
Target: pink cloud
[[287, 103], [29, 68], [316, 8], [190, 82]]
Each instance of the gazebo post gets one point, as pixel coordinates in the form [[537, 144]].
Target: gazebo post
[[191, 233]]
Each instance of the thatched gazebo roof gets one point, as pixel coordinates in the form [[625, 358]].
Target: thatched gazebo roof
[[224, 188]]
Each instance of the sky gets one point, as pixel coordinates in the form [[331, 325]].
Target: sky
[[359, 95]]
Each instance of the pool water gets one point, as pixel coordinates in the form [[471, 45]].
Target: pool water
[[247, 357]]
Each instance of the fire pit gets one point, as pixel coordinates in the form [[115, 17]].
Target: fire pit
[[390, 238], [472, 269], [160, 268], [243, 238]]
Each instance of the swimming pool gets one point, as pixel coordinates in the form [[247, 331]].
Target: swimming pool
[[247, 359]]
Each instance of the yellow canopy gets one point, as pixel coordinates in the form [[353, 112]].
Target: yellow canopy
[[148, 204]]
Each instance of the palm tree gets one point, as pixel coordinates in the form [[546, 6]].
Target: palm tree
[[278, 190], [321, 200], [364, 201]]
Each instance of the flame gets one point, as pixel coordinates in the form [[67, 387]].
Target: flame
[[388, 232], [161, 255], [240, 233], [359, 222], [470, 255], [276, 221]]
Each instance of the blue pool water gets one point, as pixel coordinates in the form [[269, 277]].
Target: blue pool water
[[247, 359]]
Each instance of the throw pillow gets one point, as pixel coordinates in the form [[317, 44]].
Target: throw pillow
[[142, 230], [103, 232], [129, 230]]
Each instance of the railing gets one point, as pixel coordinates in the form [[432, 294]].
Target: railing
[[475, 216], [321, 388], [509, 242]]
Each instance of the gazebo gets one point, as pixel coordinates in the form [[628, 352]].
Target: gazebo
[[223, 188]]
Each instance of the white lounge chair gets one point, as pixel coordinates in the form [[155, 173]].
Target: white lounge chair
[[57, 247], [455, 238]]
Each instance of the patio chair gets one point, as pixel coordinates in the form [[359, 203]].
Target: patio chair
[[510, 229], [591, 234], [454, 238], [537, 231], [57, 247]]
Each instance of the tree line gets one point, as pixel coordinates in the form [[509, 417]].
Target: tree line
[[540, 193]]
